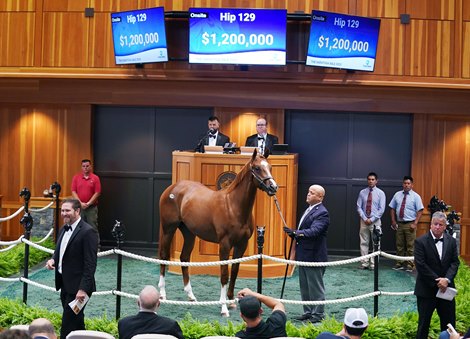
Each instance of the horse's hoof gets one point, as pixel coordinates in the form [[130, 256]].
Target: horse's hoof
[[232, 306], [162, 297], [225, 314], [192, 299]]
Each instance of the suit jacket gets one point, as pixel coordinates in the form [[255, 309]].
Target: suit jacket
[[430, 267], [311, 236], [252, 140], [79, 260], [222, 139], [148, 322]]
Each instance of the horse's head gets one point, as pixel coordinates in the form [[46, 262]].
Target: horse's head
[[261, 170]]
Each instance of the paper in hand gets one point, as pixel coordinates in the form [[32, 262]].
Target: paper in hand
[[449, 294], [77, 305]]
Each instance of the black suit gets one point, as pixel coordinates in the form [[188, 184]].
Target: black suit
[[252, 140], [148, 322], [222, 139], [78, 272], [430, 267]]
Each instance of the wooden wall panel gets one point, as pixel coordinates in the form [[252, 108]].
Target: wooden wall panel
[[429, 49], [466, 10], [17, 5], [65, 6], [332, 6], [17, 35], [390, 60], [118, 6], [441, 165], [431, 9], [101, 41], [466, 50], [67, 42], [40, 145], [380, 8]]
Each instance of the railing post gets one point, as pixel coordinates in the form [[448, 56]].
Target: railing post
[[260, 240], [55, 187], [27, 222], [377, 234], [118, 234]]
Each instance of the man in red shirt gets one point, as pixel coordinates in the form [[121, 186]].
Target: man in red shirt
[[86, 187]]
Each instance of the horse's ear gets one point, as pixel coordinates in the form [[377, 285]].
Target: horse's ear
[[255, 153], [266, 153]]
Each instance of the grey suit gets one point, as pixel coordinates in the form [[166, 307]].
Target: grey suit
[[429, 267]]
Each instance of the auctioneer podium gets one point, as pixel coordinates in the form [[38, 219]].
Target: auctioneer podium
[[211, 170]]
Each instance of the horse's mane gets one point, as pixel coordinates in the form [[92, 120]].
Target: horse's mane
[[239, 177]]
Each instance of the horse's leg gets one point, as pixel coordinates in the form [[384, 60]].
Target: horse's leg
[[238, 252], [224, 252], [168, 231], [185, 256]]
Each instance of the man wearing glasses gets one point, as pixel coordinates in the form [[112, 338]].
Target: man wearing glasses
[[262, 139]]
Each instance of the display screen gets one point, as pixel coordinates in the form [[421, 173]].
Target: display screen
[[237, 36], [342, 41], [139, 36]]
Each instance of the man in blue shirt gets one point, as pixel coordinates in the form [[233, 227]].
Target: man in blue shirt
[[370, 207], [406, 209]]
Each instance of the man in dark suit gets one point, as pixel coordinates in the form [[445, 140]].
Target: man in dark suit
[[214, 137], [147, 321], [310, 239], [262, 139], [437, 262], [74, 262]]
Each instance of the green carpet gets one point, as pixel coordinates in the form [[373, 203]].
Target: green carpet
[[340, 282]]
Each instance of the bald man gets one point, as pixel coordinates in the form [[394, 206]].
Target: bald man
[[147, 320], [42, 328], [310, 245]]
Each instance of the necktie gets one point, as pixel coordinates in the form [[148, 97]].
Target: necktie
[[67, 228], [401, 214], [369, 203], [437, 240], [259, 138], [211, 136]]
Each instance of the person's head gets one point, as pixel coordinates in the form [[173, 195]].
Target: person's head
[[14, 334], [70, 210], [315, 194], [261, 126], [86, 166], [149, 299], [438, 224], [250, 307], [355, 321], [42, 327], [372, 179], [213, 123], [407, 183]]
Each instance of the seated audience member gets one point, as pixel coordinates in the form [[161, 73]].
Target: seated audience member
[[262, 139], [251, 311], [14, 334], [147, 321], [42, 328], [455, 335], [354, 325]]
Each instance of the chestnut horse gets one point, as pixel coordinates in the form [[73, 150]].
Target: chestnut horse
[[222, 217]]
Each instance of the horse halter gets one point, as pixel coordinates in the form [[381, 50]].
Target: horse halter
[[262, 182]]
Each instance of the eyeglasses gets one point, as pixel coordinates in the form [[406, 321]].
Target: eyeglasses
[[260, 124]]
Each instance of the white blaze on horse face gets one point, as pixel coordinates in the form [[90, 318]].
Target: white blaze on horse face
[[223, 298], [272, 182], [161, 287], [189, 292]]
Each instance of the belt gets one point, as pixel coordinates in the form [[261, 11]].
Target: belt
[[405, 222]]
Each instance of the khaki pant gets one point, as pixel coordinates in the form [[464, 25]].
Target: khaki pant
[[405, 241]]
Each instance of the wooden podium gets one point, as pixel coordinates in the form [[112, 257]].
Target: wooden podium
[[206, 168]]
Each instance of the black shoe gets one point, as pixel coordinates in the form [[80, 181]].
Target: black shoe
[[303, 317], [315, 319]]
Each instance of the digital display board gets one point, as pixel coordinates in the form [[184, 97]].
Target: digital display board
[[237, 36], [139, 36], [342, 41]]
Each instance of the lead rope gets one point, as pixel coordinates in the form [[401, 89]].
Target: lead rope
[[276, 202]]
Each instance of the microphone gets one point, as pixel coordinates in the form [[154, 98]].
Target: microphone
[[200, 147], [211, 131]]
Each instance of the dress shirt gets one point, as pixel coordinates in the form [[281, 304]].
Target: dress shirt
[[213, 141], [377, 207], [439, 244], [413, 205], [65, 241], [307, 211]]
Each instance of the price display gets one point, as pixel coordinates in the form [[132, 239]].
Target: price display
[[237, 36], [139, 36], [342, 41]]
